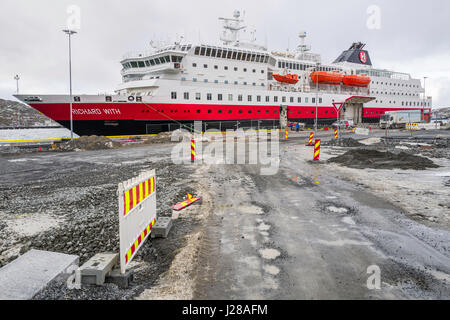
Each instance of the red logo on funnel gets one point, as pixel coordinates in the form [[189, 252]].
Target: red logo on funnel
[[363, 57]]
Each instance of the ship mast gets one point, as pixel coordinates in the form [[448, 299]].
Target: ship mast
[[232, 27]]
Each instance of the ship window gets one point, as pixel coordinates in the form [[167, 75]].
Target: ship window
[[320, 100], [208, 52], [213, 52], [194, 65], [194, 79], [220, 111], [299, 100], [249, 98], [133, 64], [198, 96], [258, 58], [216, 81], [197, 50], [225, 68], [202, 51], [186, 95], [275, 111], [267, 59], [141, 64], [198, 110], [249, 56], [267, 98], [282, 64], [245, 69], [229, 111], [235, 69], [209, 111], [244, 83], [205, 66], [254, 83], [262, 71], [267, 111], [234, 55], [224, 53], [167, 59], [279, 64], [290, 65], [108, 98], [253, 57], [219, 97], [205, 80], [174, 58], [157, 61], [244, 56], [230, 97], [249, 111], [229, 54], [258, 98], [208, 96], [239, 55], [152, 62], [239, 97], [216, 67], [283, 99], [219, 53], [313, 100], [291, 99], [226, 82], [147, 63], [306, 100], [254, 70], [173, 95], [275, 99]]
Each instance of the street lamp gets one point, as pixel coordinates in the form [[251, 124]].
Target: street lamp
[[317, 96], [17, 78], [70, 33]]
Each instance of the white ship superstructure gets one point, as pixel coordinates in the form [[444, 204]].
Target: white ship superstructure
[[237, 83]]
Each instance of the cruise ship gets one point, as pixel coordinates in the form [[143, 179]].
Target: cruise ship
[[235, 84]]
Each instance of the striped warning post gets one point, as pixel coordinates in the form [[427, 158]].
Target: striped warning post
[[310, 141], [137, 194], [316, 150], [335, 133], [286, 136], [193, 152]]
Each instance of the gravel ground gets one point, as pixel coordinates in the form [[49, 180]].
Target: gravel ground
[[74, 195]]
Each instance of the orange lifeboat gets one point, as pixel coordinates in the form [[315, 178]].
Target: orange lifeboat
[[324, 77], [286, 78], [356, 80]]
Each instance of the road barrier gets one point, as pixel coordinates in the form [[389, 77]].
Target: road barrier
[[286, 136], [317, 150], [335, 133], [193, 151], [311, 137], [412, 126], [137, 214]]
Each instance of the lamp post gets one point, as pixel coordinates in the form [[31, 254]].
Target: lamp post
[[424, 97], [317, 97], [17, 78], [70, 33]]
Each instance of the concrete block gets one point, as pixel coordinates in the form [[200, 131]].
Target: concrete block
[[161, 228], [122, 280], [96, 268], [24, 277]]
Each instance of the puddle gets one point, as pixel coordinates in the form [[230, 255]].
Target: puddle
[[348, 220], [269, 254], [341, 243], [263, 227], [337, 209], [270, 269]]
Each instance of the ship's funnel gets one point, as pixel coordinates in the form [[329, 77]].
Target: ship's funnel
[[355, 54]]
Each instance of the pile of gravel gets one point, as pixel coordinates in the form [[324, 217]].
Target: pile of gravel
[[89, 143], [363, 158], [163, 137], [344, 142]]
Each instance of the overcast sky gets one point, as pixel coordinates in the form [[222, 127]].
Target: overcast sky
[[414, 36]]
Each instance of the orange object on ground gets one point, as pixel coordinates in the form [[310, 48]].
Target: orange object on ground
[[183, 204], [316, 150], [324, 77], [356, 80], [288, 78]]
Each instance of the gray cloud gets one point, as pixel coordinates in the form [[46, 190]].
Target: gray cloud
[[32, 44]]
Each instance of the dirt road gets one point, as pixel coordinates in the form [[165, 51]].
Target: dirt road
[[303, 233]]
